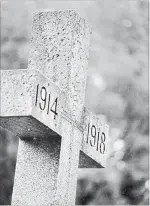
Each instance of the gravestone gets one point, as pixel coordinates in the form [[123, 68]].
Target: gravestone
[[44, 106]]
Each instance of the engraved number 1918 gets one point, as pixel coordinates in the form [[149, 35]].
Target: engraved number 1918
[[95, 139]]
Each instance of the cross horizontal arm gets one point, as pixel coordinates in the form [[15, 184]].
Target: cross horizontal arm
[[33, 95]]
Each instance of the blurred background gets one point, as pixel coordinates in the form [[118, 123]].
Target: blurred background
[[117, 88]]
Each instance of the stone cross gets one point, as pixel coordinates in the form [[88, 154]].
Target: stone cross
[[44, 106]]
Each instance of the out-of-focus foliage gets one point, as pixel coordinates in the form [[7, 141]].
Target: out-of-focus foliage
[[8, 151], [117, 88]]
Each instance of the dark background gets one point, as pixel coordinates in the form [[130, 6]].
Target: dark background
[[117, 88]]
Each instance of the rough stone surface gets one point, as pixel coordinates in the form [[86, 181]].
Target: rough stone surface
[[20, 115], [95, 140], [26, 127], [22, 98], [60, 49], [46, 172], [16, 88], [36, 171], [86, 161], [68, 168], [21, 102]]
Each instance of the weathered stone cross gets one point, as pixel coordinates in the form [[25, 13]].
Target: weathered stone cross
[[44, 106]]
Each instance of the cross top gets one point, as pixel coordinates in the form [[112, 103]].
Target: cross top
[[60, 49], [45, 108]]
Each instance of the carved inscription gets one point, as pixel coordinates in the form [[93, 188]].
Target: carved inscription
[[45, 102], [95, 138]]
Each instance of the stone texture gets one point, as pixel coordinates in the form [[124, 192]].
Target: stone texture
[[60, 49], [99, 127], [21, 100], [46, 171], [36, 171], [16, 88], [86, 161], [68, 168], [26, 127]]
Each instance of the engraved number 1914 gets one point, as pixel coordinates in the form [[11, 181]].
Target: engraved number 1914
[[43, 101]]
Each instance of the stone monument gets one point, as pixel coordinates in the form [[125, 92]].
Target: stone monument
[[44, 106]]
